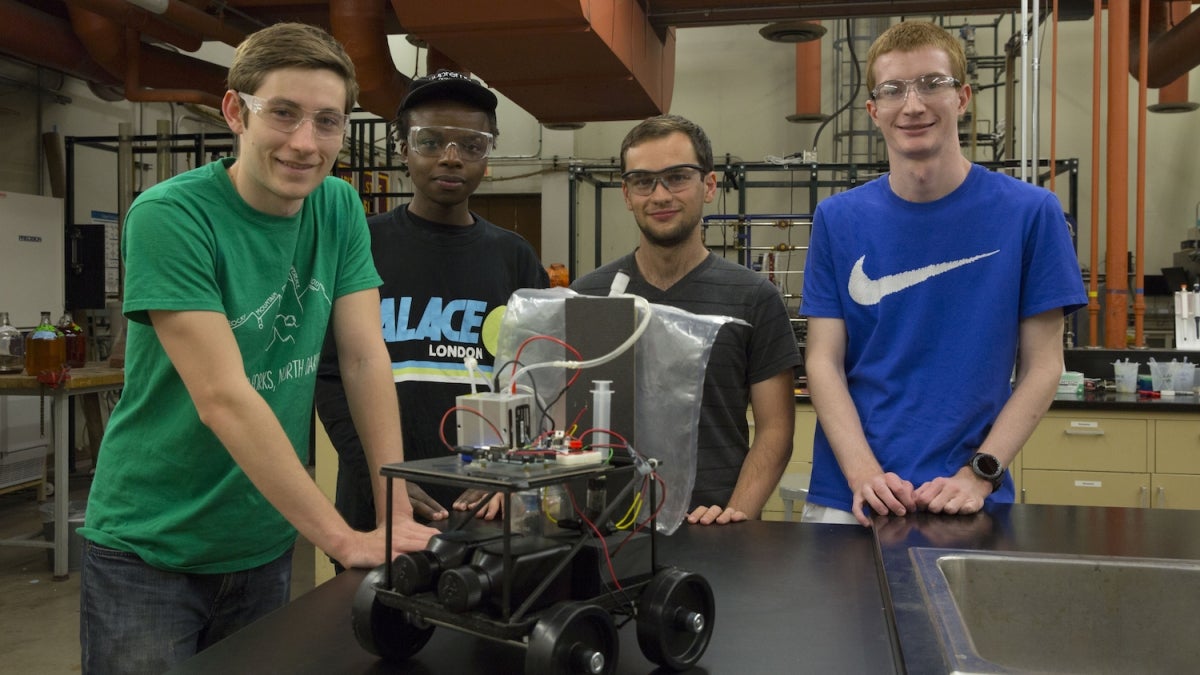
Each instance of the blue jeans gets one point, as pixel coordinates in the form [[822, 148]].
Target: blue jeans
[[134, 618]]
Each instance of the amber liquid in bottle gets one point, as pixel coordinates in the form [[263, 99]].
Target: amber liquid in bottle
[[45, 348], [76, 341]]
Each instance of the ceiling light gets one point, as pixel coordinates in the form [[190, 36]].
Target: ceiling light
[[792, 31]]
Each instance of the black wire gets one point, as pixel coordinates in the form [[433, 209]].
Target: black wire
[[853, 94]]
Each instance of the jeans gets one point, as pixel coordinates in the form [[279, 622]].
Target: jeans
[[134, 618]]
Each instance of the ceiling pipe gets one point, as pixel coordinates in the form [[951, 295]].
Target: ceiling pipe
[[196, 20], [1172, 54], [806, 35], [595, 60], [356, 24], [1116, 268], [150, 74], [157, 60], [1172, 98], [142, 21], [48, 41]]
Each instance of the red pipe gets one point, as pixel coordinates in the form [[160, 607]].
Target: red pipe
[[1093, 281], [143, 21], [158, 61], [1139, 237], [808, 82], [1116, 269], [357, 25], [130, 61], [45, 40]]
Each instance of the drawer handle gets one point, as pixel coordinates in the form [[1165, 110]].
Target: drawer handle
[[1086, 431], [1162, 497], [1143, 500]]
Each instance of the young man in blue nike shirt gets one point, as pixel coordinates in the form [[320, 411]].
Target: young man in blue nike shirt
[[922, 289], [444, 270]]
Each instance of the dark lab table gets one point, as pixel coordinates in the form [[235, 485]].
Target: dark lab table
[[790, 597]]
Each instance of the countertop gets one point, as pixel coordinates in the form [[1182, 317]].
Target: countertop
[[1101, 400], [790, 597], [1125, 532]]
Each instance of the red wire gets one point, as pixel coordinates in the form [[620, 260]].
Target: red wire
[[603, 542], [442, 425], [551, 338]]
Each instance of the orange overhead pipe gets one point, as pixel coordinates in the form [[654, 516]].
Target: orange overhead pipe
[[1053, 91], [808, 82], [46, 40], [1139, 255], [142, 21], [1093, 281], [156, 60], [597, 60], [1116, 269], [150, 74], [356, 24], [1174, 96]]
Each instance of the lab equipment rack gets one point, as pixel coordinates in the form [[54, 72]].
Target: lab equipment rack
[[674, 609]]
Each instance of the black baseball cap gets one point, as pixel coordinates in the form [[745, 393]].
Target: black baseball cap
[[447, 85]]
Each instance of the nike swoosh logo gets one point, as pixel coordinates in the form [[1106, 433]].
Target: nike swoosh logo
[[867, 291]]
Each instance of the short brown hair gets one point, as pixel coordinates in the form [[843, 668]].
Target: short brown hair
[[290, 45], [665, 125], [910, 36]]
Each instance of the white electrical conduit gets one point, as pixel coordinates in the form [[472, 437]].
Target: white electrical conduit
[[641, 304]]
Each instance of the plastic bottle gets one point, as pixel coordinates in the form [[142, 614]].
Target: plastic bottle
[[527, 512], [597, 497], [45, 348], [556, 505], [76, 341], [12, 347]]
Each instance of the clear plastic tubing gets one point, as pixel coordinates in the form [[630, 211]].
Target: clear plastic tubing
[[601, 411]]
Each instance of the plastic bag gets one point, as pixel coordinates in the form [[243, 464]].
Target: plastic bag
[[671, 358]]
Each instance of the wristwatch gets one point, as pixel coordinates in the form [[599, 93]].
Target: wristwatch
[[988, 468]]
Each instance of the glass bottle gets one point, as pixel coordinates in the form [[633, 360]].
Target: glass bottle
[[45, 348], [12, 347], [76, 341]]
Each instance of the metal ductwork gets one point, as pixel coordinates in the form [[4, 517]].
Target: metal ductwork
[[48, 41], [563, 61], [150, 74], [356, 24], [1174, 30]]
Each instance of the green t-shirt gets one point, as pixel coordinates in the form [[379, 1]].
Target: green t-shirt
[[165, 488]]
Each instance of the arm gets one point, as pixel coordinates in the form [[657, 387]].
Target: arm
[[1039, 366], [826, 370], [204, 352], [774, 408], [371, 396]]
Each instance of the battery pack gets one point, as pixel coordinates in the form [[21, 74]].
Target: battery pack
[[488, 414]]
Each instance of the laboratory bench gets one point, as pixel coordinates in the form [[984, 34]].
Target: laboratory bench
[[790, 597]]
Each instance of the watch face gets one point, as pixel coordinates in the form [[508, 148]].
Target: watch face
[[986, 466]]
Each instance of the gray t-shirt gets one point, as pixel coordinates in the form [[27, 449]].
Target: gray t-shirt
[[741, 356]]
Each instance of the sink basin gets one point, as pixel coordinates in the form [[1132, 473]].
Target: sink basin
[[1048, 613]]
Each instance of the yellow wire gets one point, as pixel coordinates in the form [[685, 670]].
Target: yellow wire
[[630, 516]]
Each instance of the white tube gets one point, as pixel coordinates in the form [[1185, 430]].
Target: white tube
[[601, 410]]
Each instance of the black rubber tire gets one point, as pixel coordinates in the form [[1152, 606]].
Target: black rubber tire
[[384, 631], [573, 638], [675, 618]]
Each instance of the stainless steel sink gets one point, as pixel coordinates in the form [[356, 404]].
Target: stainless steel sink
[[1015, 612]]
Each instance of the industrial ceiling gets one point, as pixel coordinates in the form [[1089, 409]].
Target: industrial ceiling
[[563, 61]]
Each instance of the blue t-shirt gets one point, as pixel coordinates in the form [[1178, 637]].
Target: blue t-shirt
[[932, 295]]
